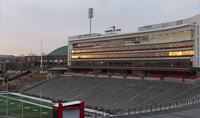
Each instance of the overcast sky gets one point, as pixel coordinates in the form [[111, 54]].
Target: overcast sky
[[24, 23]]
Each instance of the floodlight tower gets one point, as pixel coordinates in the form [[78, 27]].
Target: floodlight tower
[[199, 7], [90, 16]]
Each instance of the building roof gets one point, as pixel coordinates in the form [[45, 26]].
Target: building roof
[[69, 103], [144, 29], [60, 51], [130, 33]]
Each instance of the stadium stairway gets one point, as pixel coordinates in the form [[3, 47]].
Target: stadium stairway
[[168, 94]]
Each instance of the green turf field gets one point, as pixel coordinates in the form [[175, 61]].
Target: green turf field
[[30, 109]]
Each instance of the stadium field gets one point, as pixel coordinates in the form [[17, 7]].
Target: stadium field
[[20, 107]]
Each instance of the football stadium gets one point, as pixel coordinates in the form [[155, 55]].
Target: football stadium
[[151, 73]]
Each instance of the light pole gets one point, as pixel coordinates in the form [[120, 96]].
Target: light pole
[[40, 104], [41, 61], [7, 97], [90, 16], [6, 80], [22, 101], [0, 13]]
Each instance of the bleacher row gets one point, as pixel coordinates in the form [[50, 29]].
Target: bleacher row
[[15, 81], [180, 95], [111, 94], [10, 87], [20, 77], [176, 77]]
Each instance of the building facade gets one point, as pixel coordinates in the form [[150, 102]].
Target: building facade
[[166, 47], [48, 61], [57, 57]]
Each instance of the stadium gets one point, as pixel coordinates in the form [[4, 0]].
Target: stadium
[[151, 73]]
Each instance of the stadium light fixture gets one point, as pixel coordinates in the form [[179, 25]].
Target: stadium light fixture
[[90, 16]]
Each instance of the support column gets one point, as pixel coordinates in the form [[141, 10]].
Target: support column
[[82, 111], [60, 110]]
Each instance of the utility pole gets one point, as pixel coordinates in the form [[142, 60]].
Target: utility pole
[[199, 7]]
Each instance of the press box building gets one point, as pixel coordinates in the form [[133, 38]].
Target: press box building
[[165, 48]]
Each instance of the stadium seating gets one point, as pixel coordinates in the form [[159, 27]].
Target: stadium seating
[[112, 94], [136, 75], [156, 75], [177, 75]]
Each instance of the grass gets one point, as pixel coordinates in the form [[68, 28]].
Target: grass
[[30, 109]]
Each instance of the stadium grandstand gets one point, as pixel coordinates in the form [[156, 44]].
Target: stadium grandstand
[[118, 97], [164, 51]]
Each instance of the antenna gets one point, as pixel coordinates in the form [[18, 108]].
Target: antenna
[[90, 16]]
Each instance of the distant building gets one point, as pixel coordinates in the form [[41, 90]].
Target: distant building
[[7, 62], [3, 66], [58, 57], [7, 58], [166, 48]]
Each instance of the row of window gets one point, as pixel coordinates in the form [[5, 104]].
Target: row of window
[[135, 40], [160, 63], [135, 55], [136, 47], [171, 35]]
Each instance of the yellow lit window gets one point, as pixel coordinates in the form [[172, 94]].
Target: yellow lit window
[[182, 53], [75, 57]]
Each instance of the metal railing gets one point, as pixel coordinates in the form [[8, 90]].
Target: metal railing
[[160, 107], [176, 103]]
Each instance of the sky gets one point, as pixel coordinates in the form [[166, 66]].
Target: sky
[[24, 23]]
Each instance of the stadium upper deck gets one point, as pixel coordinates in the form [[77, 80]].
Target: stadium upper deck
[[172, 46]]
